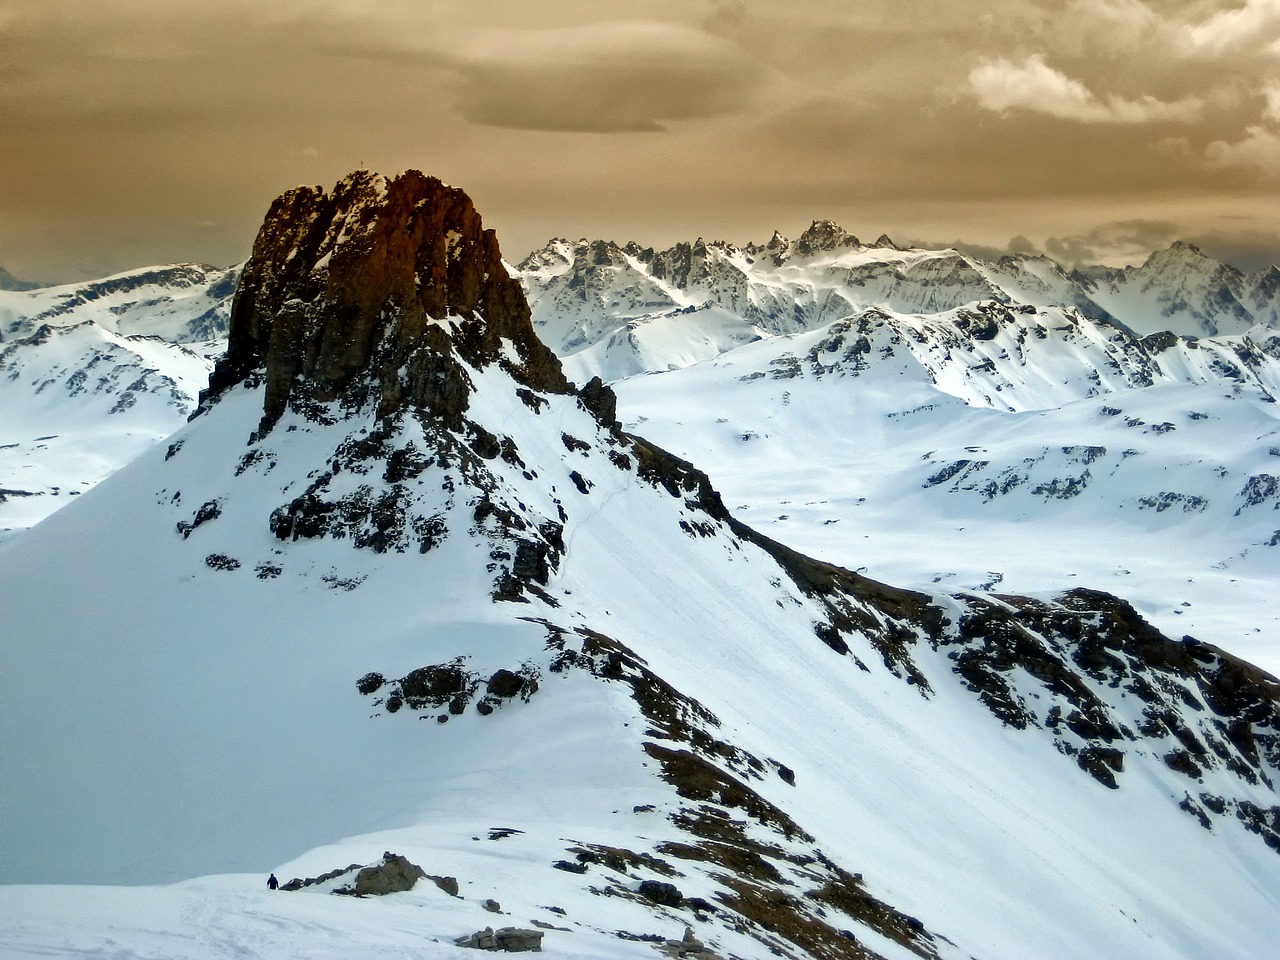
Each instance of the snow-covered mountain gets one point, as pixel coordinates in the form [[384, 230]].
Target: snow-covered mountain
[[978, 400], [1183, 291], [182, 303], [614, 310], [93, 374], [400, 586], [1033, 457]]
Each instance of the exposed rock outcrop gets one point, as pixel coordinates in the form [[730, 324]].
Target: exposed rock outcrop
[[392, 874], [508, 939], [379, 291]]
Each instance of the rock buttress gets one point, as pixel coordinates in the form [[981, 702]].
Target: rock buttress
[[374, 293]]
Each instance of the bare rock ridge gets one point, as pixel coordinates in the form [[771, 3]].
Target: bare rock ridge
[[376, 291]]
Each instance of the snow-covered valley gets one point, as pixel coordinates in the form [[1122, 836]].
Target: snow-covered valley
[[398, 586]]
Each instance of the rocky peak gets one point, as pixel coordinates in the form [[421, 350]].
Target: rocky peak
[[378, 292], [824, 236], [778, 249]]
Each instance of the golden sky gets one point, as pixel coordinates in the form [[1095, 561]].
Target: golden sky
[[135, 132]]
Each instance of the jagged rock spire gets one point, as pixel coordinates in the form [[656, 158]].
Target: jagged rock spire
[[824, 236], [375, 292]]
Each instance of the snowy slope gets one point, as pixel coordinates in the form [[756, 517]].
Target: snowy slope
[[407, 590], [79, 402], [1047, 452], [93, 374]]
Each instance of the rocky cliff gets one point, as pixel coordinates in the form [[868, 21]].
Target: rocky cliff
[[379, 291]]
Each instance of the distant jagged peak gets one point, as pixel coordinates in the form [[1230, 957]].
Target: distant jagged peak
[[378, 291], [824, 236], [883, 242], [1182, 257]]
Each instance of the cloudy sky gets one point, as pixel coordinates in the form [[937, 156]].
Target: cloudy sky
[[147, 131]]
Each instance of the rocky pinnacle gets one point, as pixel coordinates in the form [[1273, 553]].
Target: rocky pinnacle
[[378, 292]]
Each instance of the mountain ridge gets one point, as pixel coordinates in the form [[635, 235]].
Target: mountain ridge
[[586, 292]]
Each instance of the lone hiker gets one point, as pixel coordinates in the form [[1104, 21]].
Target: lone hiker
[[272, 882]]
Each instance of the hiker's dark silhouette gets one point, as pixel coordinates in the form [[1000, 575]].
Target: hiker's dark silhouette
[[272, 882]]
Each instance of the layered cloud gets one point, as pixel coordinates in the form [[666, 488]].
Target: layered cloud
[[123, 124], [1258, 151], [620, 76], [1123, 241]]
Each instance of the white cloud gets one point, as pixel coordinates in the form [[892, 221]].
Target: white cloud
[[1001, 85], [1257, 20], [1272, 92], [1259, 150], [1255, 25]]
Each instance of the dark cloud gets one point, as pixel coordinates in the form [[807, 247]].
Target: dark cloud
[[1246, 250], [1016, 245], [125, 125], [1122, 240], [619, 77]]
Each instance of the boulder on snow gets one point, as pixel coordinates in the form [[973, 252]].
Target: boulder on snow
[[665, 894], [394, 874], [448, 884], [509, 939]]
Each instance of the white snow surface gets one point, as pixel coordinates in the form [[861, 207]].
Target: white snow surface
[[179, 720], [78, 403], [921, 460]]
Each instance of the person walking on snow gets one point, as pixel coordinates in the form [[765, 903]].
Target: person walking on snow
[[272, 882]]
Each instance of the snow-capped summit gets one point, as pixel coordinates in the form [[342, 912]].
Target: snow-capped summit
[[407, 589], [1182, 291]]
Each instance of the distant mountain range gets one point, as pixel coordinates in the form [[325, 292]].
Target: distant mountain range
[[9, 282], [618, 310]]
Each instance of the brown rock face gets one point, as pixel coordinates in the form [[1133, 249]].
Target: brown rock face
[[374, 293]]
